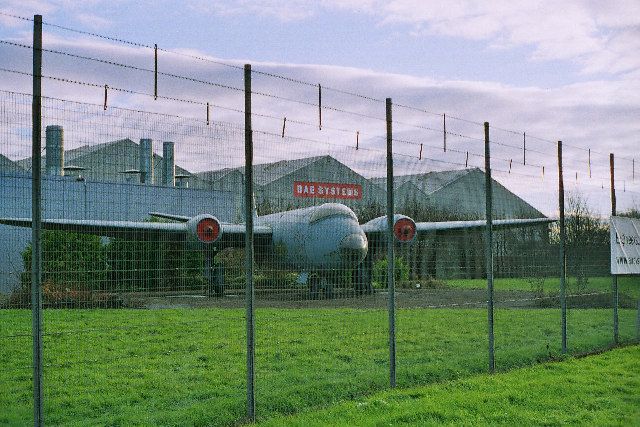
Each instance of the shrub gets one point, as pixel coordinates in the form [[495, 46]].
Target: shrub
[[74, 262], [401, 272], [136, 264], [70, 260]]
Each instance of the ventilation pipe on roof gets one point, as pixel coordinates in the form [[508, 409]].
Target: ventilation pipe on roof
[[146, 161], [55, 150], [168, 164]]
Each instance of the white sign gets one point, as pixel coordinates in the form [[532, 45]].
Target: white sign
[[625, 245]]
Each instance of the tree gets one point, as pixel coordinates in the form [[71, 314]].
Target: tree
[[587, 240]]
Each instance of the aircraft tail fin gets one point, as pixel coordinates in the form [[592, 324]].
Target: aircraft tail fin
[[179, 218], [241, 212]]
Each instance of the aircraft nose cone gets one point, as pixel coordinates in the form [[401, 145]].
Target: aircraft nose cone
[[354, 248]]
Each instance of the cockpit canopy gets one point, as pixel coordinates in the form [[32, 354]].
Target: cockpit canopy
[[329, 210]]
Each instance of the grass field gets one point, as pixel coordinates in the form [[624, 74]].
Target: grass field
[[629, 285], [187, 366], [597, 390]]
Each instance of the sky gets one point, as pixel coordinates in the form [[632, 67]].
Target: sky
[[565, 70]]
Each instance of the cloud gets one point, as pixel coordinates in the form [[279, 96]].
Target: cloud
[[80, 12], [525, 108], [585, 32], [599, 39], [292, 10], [92, 21], [598, 115], [26, 8]]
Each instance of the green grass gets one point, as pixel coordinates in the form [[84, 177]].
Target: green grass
[[187, 366], [596, 390], [629, 285]]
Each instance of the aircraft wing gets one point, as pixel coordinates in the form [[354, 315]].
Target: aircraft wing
[[233, 229], [405, 229], [478, 224], [230, 234], [104, 228]]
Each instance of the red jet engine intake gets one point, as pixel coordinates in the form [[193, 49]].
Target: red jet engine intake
[[205, 228], [404, 230], [208, 230]]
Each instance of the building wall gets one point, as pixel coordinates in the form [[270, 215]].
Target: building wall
[[456, 254], [232, 183]]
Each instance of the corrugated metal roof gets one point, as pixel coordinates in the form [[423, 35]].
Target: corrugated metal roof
[[86, 150], [217, 174], [428, 183], [268, 172], [265, 173]]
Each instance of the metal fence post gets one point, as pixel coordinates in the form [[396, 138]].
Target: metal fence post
[[563, 256], [248, 246], [614, 278], [36, 218], [489, 243], [390, 251]]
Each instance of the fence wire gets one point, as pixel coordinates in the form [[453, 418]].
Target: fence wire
[[144, 275]]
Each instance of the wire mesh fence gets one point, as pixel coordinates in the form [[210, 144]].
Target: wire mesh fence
[[147, 313]]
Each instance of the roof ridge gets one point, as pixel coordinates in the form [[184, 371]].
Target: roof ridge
[[307, 161], [408, 178], [446, 184], [302, 162]]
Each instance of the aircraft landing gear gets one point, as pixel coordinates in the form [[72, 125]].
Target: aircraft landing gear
[[362, 277], [214, 273], [320, 286]]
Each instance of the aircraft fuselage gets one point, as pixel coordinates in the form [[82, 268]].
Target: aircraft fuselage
[[318, 237]]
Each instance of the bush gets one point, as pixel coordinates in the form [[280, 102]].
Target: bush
[[70, 260], [74, 262], [136, 264], [153, 266], [401, 272], [275, 280]]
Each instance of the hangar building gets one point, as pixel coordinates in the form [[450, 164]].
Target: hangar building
[[118, 161], [457, 194], [433, 196], [290, 184]]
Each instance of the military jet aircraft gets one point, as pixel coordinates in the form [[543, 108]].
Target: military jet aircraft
[[313, 240]]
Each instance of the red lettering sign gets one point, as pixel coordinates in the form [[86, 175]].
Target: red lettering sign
[[327, 190]]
